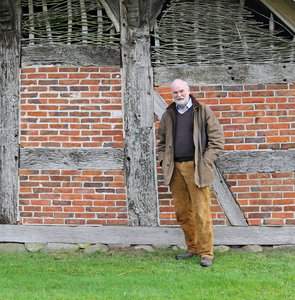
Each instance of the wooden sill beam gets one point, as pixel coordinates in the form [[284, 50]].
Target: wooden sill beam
[[223, 235]]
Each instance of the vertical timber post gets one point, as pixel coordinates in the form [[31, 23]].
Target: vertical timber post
[[140, 161], [9, 109]]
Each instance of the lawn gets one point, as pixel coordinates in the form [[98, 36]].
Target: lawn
[[147, 275]]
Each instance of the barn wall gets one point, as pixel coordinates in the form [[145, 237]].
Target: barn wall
[[254, 118], [64, 108]]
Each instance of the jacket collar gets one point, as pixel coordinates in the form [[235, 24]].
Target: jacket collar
[[196, 104]]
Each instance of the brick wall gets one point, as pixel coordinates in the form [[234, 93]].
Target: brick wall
[[71, 107], [81, 107], [254, 117]]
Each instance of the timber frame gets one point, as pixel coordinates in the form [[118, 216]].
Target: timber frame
[[9, 109], [135, 25]]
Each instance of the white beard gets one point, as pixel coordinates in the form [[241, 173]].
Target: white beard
[[181, 102]]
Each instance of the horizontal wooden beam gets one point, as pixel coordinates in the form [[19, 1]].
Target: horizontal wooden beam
[[223, 235], [235, 74], [71, 159], [92, 158], [73, 55], [257, 161]]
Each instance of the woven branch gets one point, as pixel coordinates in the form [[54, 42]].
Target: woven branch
[[66, 22], [214, 32]]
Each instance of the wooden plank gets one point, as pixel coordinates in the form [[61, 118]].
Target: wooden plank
[[73, 55], [223, 235], [257, 161], [71, 159], [232, 74], [9, 116], [140, 162], [227, 201], [285, 10]]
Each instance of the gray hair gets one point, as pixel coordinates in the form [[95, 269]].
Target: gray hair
[[178, 80]]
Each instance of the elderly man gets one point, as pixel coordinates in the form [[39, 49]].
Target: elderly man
[[190, 140]]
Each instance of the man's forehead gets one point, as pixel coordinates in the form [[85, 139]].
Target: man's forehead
[[179, 87]]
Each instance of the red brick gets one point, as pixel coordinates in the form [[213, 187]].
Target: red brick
[[282, 215], [277, 222]]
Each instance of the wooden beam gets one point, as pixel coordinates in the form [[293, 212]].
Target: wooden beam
[[228, 202], [160, 105], [133, 12], [285, 10], [6, 15], [9, 116], [137, 84], [232, 74], [156, 8], [257, 161], [112, 8], [71, 159], [73, 55], [223, 235]]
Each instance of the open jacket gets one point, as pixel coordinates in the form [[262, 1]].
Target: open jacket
[[208, 139]]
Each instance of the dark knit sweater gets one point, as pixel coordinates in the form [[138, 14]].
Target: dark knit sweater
[[184, 147]]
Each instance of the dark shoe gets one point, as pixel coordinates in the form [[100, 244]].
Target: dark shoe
[[206, 261], [186, 255]]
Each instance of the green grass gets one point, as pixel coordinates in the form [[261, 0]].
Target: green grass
[[142, 275]]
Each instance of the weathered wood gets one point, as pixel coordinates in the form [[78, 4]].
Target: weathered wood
[[285, 10], [133, 12], [223, 235], [6, 15], [227, 201], [47, 21], [235, 74], [140, 162], [112, 8], [156, 8], [70, 22], [160, 104], [71, 159], [9, 115], [74, 55], [257, 161], [31, 20], [84, 21]]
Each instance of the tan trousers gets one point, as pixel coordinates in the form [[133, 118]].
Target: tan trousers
[[192, 208]]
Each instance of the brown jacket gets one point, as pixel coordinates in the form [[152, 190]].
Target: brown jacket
[[208, 139]]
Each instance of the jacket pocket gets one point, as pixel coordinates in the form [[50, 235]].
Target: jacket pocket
[[207, 172]]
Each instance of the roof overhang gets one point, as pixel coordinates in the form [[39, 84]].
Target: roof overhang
[[284, 10]]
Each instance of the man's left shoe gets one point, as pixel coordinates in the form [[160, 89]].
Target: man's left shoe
[[206, 261], [186, 255]]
